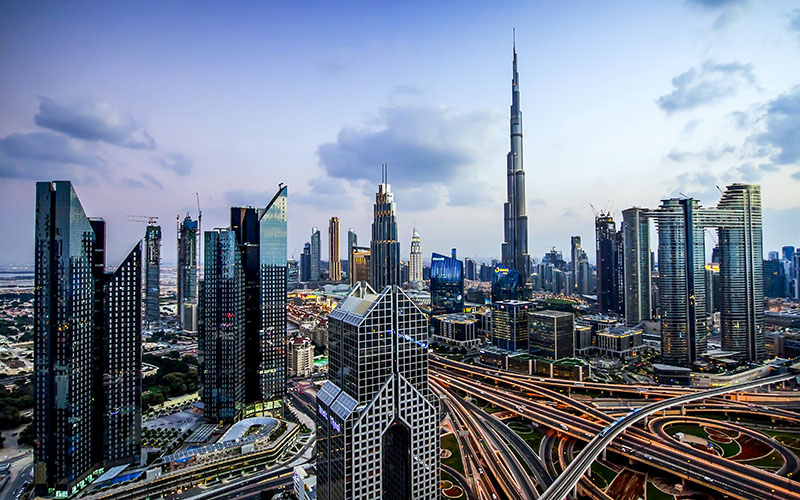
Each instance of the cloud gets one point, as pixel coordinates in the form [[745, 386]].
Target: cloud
[[700, 185], [690, 126], [746, 172], [93, 121], [707, 84], [537, 202], [422, 145], [741, 120], [178, 163], [44, 155], [729, 11], [152, 180], [132, 183], [709, 154], [794, 22], [781, 137], [324, 192]]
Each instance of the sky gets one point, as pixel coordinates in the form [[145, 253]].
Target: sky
[[143, 104]]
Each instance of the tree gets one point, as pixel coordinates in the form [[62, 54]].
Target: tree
[[26, 437]]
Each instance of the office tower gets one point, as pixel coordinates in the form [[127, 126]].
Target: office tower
[[551, 334], [426, 273], [292, 275], [583, 278], [447, 285], [87, 347], [187, 273], [787, 252], [404, 272], [795, 274], [515, 228], [359, 265], [681, 284], [223, 326], [470, 269], [609, 264], [377, 423], [415, 259], [636, 266], [152, 263], [773, 255], [510, 324], [384, 248], [575, 255], [486, 273], [261, 237], [352, 241], [274, 272], [305, 263], [315, 253], [774, 279], [738, 217], [334, 262], [507, 284]]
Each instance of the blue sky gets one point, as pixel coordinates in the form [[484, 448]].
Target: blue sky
[[143, 104]]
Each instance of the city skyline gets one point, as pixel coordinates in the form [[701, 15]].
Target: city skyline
[[714, 108]]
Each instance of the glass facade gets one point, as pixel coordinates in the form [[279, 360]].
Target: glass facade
[[187, 266], [636, 264], [447, 285], [507, 284], [87, 347], [510, 324], [152, 285], [552, 334], [384, 263]]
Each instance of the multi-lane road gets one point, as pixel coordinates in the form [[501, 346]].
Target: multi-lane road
[[584, 422]]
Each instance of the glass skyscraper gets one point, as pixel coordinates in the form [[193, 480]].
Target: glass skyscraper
[[377, 422], [187, 273], [447, 285], [552, 334], [305, 263], [384, 249], [636, 264], [334, 261], [223, 326], [609, 265], [87, 347], [507, 284], [152, 263], [352, 241], [315, 254]]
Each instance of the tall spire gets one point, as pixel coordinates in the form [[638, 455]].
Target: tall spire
[[515, 246]]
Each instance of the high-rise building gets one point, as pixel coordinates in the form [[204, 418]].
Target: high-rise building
[[301, 354], [352, 241], [507, 284], [315, 254], [787, 252], [377, 423], [575, 254], [447, 285], [738, 217], [681, 284], [609, 264], [551, 334], [87, 347], [305, 263], [359, 265], [510, 324], [636, 265], [515, 244], [334, 262], [293, 275], [222, 326], [486, 273], [404, 271], [384, 249], [187, 273], [415, 259], [774, 278], [152, 264], [261, 236], [470, 269]]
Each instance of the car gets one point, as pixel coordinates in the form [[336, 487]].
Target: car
[[564, 427]]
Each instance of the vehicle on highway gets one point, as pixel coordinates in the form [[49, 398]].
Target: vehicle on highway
[[564, 427]]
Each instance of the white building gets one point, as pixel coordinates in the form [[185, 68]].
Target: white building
[[301, 357]]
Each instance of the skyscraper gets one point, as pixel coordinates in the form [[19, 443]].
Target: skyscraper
[[334, 263], [222, 326], [384, 249], [415, 258], [552, 334], [187, 273], [87, 347], [152, 263], [515, 246], [447, 285], [470, 269], [738, 217], [507, 284], [352, 240], [575, 255], [261, 236], [359, 265], [377, 425], [636, 264], [315, 254], [609, 264], [305, 263], [274, 272]]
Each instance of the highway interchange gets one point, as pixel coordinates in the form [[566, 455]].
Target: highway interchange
[[575, 421]]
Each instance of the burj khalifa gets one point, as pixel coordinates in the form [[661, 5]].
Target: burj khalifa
[[515, 246]]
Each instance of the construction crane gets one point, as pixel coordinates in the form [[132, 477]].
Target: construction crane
[[150, 219]]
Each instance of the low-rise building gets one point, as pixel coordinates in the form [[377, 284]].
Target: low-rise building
[[305, 484], [458, 329], [619, 342]]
